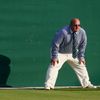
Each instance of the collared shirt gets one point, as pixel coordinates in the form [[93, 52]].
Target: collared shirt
[[63, 42]]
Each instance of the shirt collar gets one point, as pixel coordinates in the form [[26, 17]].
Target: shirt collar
[[72, 31]]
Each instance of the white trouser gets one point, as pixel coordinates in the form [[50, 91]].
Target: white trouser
[[80, 70]]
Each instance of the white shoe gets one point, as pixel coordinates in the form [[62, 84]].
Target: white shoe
[[91, 86], [48, 87]]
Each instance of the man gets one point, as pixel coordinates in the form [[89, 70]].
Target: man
[[69, 45]]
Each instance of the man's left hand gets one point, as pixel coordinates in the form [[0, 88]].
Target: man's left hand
[[82, 61]]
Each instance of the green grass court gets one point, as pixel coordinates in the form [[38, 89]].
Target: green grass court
[[57, 94]]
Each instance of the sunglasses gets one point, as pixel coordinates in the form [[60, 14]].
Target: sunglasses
[[76, 25]]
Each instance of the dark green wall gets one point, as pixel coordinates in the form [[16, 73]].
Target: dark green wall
[[27, 28]]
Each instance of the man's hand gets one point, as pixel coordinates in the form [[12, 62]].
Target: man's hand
[[54, 61], [82, 61]]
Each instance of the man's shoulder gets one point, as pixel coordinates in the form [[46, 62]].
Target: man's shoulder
[[65, 29], [82, 30]]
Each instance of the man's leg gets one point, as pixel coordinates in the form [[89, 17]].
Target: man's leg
[[81, 72], [52, 72]]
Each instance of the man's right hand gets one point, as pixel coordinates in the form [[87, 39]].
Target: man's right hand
[[54, 61]]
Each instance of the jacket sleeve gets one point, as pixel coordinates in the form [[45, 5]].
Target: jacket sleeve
[[56, 43], [82, 46]]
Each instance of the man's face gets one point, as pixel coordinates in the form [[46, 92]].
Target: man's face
[[75, 25]]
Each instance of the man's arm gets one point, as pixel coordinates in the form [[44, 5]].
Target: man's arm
[[82, 47], [55, 47]]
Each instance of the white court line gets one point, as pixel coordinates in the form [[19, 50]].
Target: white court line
[[30, 88]]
